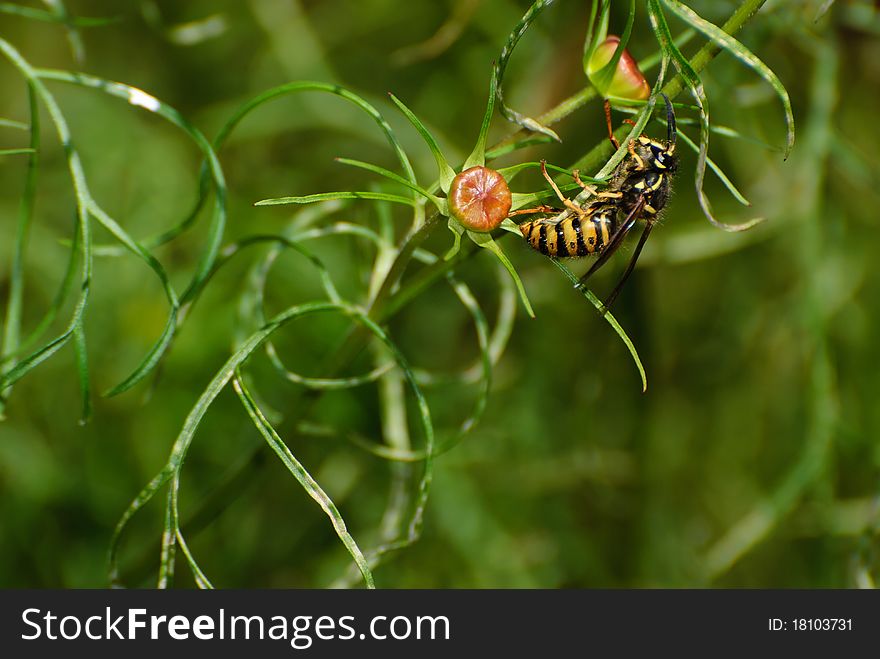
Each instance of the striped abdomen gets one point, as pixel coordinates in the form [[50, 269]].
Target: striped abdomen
[[571, 236]]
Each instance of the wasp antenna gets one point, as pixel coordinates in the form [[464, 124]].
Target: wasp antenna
[[670, 121]]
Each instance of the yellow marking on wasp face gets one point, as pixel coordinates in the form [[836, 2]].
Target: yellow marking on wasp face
[[658, 182], [645, 141], [659, 165], [639, 185], [650, 209]]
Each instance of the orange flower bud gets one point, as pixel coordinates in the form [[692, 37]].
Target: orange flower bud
[[479, 198]]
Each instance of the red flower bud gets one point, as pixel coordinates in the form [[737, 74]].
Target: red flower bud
[[479, 198], [627, 82]]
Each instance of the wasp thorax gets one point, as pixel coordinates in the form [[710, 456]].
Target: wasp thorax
[[479, 198]]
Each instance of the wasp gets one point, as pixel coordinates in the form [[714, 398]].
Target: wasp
[[638, 190]]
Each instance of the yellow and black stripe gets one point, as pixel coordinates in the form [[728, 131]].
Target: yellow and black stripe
[[572, 236]]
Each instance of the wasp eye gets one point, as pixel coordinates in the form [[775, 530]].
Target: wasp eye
[[651, 179]]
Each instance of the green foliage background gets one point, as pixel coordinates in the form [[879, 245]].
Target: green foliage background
[[752, 460]]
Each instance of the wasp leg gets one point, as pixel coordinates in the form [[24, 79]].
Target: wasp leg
[[536, 209], [576, 174], [589, 188], [631, 147], [632, 264], [552, 182], [613, 244], [614, 142], [568, 203]]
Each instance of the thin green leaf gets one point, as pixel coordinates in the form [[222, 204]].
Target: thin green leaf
[[478, 155], [199, 576], [169, 543], [16, 152], [150, 360], [10, 123], [139, 98], [695, 85], [501, 66], [381, 171], [587, 293], [184, 439], [74, 38], [718, 171], [522, 200], [738, 50], [457, 232], [324, 196], [445, 172], [12, 327], [205, 264], [82, 368], [596, 33], [485, 241], [309, 484], [509, 173], [82, 198]]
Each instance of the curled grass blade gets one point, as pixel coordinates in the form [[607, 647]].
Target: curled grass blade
[[587, 293], [16, 152], [743, 54], [501, 66], [57, 301], [235, 120], [309, 484], [12, 327], [228, 372], [81, 196], [717, 170], [139, 98], [445, 172]]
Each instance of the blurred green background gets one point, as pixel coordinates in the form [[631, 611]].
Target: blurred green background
[[751, 461]]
